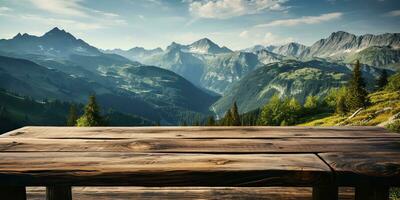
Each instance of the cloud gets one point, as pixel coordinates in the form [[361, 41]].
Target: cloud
[[393, 13], [64, 23], [62, 7], [259, 37], [4, 10], [71, 8], [224, 9], [271, 39], [303, 20], [73, 15]]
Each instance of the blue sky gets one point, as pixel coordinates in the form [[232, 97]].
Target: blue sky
[[236, 24]]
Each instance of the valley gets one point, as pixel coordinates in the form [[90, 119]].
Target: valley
[[184, 84]]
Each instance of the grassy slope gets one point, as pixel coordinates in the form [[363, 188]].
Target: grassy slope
[[383, 105]]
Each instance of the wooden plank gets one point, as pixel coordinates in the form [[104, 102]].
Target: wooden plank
[[285, 145], [58, 193], [114, 169], [382, 168], [13, 192], [189, 193], [200, 132]]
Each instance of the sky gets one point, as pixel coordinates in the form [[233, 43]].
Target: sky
[[237, 24]]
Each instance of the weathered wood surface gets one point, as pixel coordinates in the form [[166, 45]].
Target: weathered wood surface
[[277, 145], [113, 169], [201, 156], [200, 132], [189, 193], [381, 168]]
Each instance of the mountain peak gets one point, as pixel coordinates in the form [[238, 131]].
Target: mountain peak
[[56, 32], [205, 46], [204, 41], [341, 34], [17, 36]]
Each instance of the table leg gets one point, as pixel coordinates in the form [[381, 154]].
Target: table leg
[[13, 192], [325, 192], [368, 192], [58, 193]]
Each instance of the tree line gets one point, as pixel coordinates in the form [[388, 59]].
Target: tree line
[[289, 111], [276, 112]]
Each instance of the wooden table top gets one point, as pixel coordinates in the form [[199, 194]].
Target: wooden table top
[[198, 156]]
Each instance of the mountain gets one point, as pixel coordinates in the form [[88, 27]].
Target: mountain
[[17, 111], [135, 54], [223, 70], [376, 50], [206, 46], [206, 64], [384, 56], [28, 78], [181, 62], [258, 47], [55, 43], [119, 83], [266, 57], [288, 78], [341, 44], [290, 50]]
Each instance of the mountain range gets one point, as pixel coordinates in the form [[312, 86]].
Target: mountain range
[[289, 78], [187, 81], [59, 66], [215, 68]]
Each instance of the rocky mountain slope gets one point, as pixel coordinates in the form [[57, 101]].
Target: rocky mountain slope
[[208, 65], [375, 50], [135, 54], [119, 83], [342, 44], [288, 79]]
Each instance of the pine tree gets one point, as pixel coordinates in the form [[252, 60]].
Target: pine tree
[[210, 121], [91, 116], [269, 113], [235, 115], [227, 120], [311, 104], [72, 116], [356, 95], [383, 79], [341, 105]]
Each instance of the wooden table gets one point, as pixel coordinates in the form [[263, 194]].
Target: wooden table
[[367, 158]]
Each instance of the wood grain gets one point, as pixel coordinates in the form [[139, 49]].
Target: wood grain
[[189, 193], [284, 145], [113, 169], [382, 168], [199, 132]]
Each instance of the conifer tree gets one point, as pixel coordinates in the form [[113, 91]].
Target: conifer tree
[[72, 116], [383, 79], [210, 121], [91, 116], [311, 104], [270, 111], [235, 115], [356, 95], [227, 120], [341, 105]]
